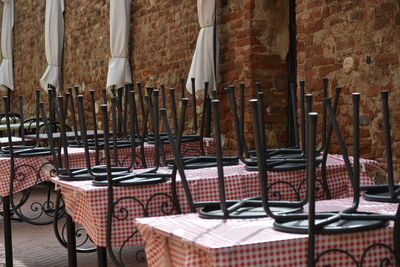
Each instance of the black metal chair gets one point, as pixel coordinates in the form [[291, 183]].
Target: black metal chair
[[38, 212], [193, 137], [202, 161], [27, 149], [63, 170], [222, 209], [350, 220], [7, 228], [132, 178], [347, 220], [389, 192], [305, 105], [98, 170], [291, 158], [283, 162], [281, 159], [61, 160]]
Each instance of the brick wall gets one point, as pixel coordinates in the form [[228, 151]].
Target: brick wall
[[253, 48], [254, 45], [364, 34]]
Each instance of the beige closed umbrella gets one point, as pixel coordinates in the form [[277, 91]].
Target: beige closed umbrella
[[119, 70], [6, 67], [204, 62], [54, 42]]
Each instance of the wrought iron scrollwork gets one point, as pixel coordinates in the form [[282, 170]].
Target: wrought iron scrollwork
[[293, 192], [165, 204], [84, 243], [385, 261], [39, 212]]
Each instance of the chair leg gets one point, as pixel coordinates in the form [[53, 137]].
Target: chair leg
[[7, 231], [101, 256], [71, 242], [396, 237]]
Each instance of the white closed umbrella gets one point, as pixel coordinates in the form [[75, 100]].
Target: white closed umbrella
[[54, 42], [119, 70], [204, 59], [6, 67]]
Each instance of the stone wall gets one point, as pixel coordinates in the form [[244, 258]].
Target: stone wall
[[355, 44], [253, 48]]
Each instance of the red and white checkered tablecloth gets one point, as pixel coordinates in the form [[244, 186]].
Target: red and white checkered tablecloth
[[87, 204], [30, 171], [188, 149], [188, 240]]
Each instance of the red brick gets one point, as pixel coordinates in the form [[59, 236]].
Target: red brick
[[386, 59], [357, 15], [382, 22], [385, 8]]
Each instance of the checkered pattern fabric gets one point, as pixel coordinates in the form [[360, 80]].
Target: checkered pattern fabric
[[187, 240], [30, 171], [188, 149], [87, 204]]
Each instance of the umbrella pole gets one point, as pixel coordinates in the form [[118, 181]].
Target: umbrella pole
[[208, 112], [9, 95]]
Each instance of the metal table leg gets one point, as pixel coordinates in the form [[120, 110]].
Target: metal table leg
[[101, 257], [7, 231], [71, 242]]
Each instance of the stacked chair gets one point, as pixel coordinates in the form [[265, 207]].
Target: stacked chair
[[13, 204], [98, 174], [287, 159], [287, 215], [329, 222], [281, 159], [28, 149], [144, 177], [245, 208], [347, 221], [387, 193], [25, 150], [124, 176], [223, 209], [202, 161]]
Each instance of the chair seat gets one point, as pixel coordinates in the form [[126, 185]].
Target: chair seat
[[78, 174], [121, 143], [26, 151], [289, 164], [300, 226], [380, 193], [243, 210], [134, 179], [164, 138], [199, 162], [82, 174]]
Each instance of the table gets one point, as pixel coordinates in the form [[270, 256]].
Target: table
[[29, 172], [87, 204], [187, 240]]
